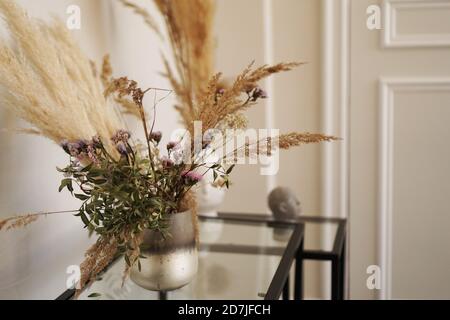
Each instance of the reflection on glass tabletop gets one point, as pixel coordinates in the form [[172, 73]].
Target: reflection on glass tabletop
[[231, 253]]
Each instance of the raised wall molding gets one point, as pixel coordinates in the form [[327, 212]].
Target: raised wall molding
[[388, 88], [393, 39], [335, 115]]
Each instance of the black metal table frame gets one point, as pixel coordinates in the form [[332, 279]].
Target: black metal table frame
[[280, 284], [337, 256]]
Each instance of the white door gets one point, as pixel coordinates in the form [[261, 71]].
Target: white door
[[394, 104]]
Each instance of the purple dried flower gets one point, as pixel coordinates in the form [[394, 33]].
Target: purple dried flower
[[75, 148], [167, 163], [156, 136], [263, 94], [122, 149], [82, 144], [172, 145], [192, 176], [91, 153], [81, 149], [96, 142], [65, 145], [259, 93], [121, 136]]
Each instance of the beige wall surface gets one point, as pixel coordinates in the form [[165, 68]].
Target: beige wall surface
[[295, 100], [399, 150], [34, 260], [296, 96]]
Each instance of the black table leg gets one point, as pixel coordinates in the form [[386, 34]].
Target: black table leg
[[342, 273], [286, 290], [162, 295], [335, 264], [298, 292]]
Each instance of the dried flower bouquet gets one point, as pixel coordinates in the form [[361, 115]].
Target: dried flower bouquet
[[126, 186]]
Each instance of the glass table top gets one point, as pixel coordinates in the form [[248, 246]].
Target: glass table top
[[236, 261], [238, 258]]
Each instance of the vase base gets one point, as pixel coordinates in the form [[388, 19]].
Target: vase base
[[166, 272]]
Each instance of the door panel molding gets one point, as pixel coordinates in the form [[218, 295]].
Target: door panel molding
[[392, 39], [388, 88], [335, 114]]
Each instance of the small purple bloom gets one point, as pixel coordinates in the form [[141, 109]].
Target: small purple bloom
[[96, 142], [156, 136], [221, 91], [167, 163], [192, 176], [83, 144], [172, 145], [259, 93], [92, 155], [122, 149], [65, 145], [75, 148], [121, 136]]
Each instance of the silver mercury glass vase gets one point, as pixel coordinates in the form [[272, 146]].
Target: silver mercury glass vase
[[170, 263]]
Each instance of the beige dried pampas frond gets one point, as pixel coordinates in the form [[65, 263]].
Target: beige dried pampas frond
[[29, 131], [97, 258], [18, 222], [267, 146], [189, 24], [24, 220], [107, 71], [127, 106], [295, 139], [212, 109], [202, 96], [49, 82], [189, 27]]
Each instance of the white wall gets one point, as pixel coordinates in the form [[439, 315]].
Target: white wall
[[389, 98], [34, 260]]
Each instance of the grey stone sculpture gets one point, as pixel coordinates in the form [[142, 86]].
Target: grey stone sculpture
[[284, 206]]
